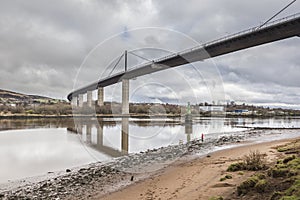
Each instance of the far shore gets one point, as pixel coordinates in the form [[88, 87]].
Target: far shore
[[133, 115]]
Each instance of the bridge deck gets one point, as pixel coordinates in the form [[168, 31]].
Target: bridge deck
[[273, 31]]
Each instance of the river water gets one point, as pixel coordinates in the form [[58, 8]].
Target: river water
[[36, 147]]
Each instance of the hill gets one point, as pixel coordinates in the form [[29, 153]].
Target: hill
[[15, 97]]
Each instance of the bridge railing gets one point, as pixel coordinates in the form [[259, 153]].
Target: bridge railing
[[253, 29]]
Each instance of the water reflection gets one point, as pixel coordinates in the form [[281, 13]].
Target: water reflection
[[32, 152], [14, 124], [50, 144], [188, 130], [91, 133], [126, 135]]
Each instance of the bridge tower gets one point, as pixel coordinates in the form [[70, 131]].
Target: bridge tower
[[125, 91]]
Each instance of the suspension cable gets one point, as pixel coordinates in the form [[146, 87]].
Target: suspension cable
[[139, 56], [116, 64], [276, 14]]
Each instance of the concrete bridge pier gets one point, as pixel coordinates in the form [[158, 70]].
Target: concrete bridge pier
[[124, 136], [125, 96], [100, 96], [79, 129], [89, 96], [80, 100], [88, 133], [74, 101], [100, 134]]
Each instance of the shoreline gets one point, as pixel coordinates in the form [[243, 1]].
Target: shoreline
[[112, 176], [197, 178], [100, 116]]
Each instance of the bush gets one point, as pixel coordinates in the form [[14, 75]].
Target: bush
[[254, 161]]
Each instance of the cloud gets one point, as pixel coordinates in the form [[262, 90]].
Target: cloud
[[42, 46]]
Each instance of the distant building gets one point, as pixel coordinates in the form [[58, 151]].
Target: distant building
[[241, 111], [212, 108]]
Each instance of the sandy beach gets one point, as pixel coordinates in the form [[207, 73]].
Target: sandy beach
[[195, 179]]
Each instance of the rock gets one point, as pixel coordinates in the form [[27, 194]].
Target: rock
[[68, 170]]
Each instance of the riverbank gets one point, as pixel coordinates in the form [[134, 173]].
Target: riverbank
[[198, 178], [98, 179], [134, 115]]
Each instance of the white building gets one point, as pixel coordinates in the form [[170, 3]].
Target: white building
[[213, 108]]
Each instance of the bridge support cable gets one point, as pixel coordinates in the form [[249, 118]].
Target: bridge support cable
[[130, 52], [116, 64], [276, 14]]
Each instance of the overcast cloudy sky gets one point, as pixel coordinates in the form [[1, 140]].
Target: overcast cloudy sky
[[44, 43]]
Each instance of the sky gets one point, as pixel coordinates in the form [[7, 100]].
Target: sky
[[53, 47]]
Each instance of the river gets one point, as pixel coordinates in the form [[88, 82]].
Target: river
[[40, 146]]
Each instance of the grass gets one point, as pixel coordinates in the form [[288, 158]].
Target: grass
[[254, 182], [227, 176], [288, 159], [236, 167], [293, 147], [278, 181], [241, 173]]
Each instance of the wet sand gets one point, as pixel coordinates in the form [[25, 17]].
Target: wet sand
[[195, 179]]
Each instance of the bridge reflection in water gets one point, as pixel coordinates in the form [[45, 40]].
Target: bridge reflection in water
[[91, 132], [85, 129]]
